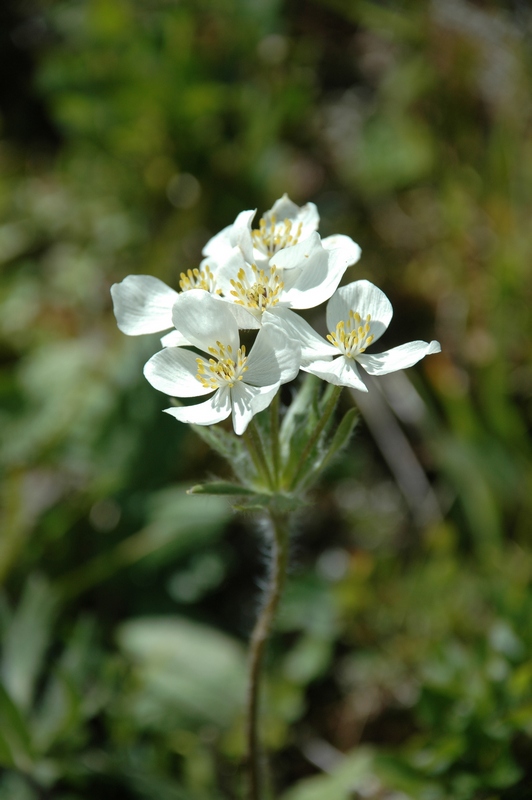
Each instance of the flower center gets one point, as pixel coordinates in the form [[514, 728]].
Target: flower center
[[271, 237], [352, 336], [198, 278], [221, 370], [260, 294]]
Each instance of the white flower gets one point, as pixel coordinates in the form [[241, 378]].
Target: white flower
[[301, 276], [357, 315], [280, 266], [143, 304], [242, 384], [284, 225]]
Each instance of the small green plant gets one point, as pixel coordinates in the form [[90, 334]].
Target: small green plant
[[254, 281]]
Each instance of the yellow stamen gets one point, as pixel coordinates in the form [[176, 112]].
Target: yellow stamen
[[352, 337], [271, 237], [221, 370], [264, 292], [201, 278]]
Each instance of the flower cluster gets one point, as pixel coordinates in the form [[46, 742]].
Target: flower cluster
[[256, 279]]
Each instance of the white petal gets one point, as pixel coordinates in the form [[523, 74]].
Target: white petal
[[365, 298], [299, 255], [219, 246], [308, 215], [143, 304], [342, 249], [249, 400], [263, 396], [173, 371], [312, 345], [204, 319], [398, 357], [247, 319], [287, 351], [318, 273], [273, 358], [341, 371], [241, 233], [213, 410], [284, 208], [228, 271], [174, 339], [262, 366], [290, 278]]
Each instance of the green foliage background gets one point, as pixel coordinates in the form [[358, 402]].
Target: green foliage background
[[130, 132]]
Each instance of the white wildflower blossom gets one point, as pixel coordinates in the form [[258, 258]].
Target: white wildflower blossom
[[240, 385], [301, 276], [284, 225], [280, 266], [357, 315]]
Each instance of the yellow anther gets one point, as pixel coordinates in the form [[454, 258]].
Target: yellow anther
[[201, 278], [272, 236], [355, 339], [221, 370], [261, 292]]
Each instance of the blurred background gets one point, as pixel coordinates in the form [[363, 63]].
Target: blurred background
[[130, 132]]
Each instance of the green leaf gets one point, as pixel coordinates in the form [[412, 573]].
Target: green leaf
[[59, 714], [353, 771], [326, 396], [251, 508], [303, 412], [308, 659], [15, 787], [221, 487], [184, 670], [229, 446], [177, 523], [16, 743], [396, 772], [6, 756], [340, 439], [342, 435], [282, 503], [26, 640], [301, 418], [147, 783]]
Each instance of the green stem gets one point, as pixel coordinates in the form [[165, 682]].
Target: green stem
[[256, 450], [316, 433], [259, 638], [274, 434]]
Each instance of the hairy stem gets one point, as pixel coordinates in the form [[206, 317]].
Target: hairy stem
[[259, 638]]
